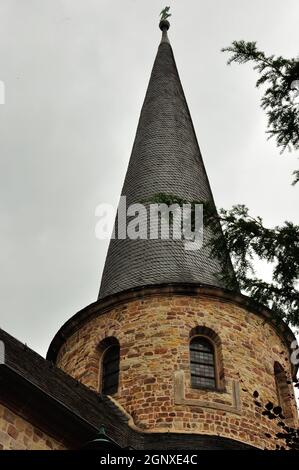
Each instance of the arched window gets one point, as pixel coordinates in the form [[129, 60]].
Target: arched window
[[110, 370], [202, 363], [283, 391]]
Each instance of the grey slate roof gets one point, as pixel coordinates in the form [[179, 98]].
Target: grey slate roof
[[54, 399], [165, 159]]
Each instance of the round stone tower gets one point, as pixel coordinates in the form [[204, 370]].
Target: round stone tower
[[169, 342]]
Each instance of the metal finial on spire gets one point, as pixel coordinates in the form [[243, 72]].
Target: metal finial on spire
[[164, 13], [164, 23]]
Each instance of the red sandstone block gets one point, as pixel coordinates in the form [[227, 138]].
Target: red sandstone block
[[12, 431], [150, 380], [161, 350]]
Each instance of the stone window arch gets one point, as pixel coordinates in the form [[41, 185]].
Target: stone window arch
[[283, 391], [206, 364], [109, 366]]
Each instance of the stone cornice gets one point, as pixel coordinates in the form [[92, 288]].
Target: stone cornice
[[191, 289]]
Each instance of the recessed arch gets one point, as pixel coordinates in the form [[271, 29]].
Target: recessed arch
[[109, 349], [201, 330], [283, 391], [206, 362]]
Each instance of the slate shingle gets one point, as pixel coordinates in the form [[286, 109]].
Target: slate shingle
[[165, 159]]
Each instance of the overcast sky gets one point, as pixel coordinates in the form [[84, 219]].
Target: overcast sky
[[76, 73]]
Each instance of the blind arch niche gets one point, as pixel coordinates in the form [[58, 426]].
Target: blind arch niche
[[109, 366]]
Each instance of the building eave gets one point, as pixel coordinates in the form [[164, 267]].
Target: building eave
[[42, 410]]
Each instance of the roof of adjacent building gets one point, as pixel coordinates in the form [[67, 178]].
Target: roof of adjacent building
[[165, 159], [63, 408], [52, 400]]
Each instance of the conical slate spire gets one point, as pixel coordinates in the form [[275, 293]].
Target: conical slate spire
[[165, 159]]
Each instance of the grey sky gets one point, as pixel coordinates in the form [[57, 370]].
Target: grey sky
[[76, 73]]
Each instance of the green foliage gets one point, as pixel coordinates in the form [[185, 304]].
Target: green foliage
[[278, 75], [248, 240], [168, 199], [296, 174], [286, 434]]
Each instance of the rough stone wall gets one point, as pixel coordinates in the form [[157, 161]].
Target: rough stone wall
[[18, 434], [154, 346]]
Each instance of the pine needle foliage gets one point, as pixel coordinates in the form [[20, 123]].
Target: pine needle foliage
[[280, 78], [247, 240]]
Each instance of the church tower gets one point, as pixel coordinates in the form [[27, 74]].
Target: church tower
[[169, 343]]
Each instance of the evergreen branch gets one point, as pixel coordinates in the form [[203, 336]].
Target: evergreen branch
[[246, 239], [279, 76]]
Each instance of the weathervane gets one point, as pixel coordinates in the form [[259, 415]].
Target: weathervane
[[164, 14]]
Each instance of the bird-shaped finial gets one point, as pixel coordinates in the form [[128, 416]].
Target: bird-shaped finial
[[164, 23], [164, 13]]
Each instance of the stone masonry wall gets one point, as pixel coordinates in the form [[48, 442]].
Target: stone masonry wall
[[153, 333], [18, 434]]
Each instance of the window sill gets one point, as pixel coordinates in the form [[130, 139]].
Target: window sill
[[208, 389]]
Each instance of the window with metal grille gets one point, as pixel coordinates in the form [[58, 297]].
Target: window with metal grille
[[202, 363], [110, 370]]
